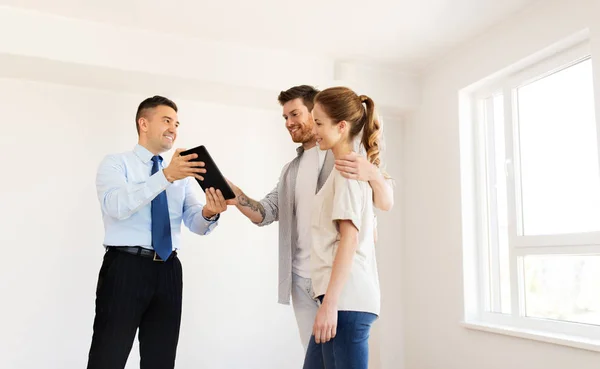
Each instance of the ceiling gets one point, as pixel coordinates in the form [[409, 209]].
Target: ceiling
[[400, 33]]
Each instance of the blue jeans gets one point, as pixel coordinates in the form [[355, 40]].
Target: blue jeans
[[349, 349]]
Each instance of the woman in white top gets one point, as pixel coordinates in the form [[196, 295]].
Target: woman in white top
[[343, 265]]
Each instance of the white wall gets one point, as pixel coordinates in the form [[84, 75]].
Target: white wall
[[387, 340], [432, 254], [53, 48], [53, 140], [68, 94]]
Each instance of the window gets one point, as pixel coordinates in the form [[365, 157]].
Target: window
[[531, 199]]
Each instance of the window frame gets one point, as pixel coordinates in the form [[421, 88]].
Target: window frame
[[479, 283]]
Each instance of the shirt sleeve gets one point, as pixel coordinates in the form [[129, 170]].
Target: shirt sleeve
[[347, 200], [119, 198], [271, 202], [271, 205]]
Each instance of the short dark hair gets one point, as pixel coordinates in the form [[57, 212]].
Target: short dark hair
[[151, 103], [305, 92]]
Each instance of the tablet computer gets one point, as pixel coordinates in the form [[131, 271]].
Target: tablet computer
[[213, 177]]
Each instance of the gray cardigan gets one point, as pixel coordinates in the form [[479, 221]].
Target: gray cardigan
[[280, 206]]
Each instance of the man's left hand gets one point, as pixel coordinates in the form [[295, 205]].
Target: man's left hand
[[215, 203], [354, 166]]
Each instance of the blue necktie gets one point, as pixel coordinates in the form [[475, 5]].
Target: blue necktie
[[161, 224]]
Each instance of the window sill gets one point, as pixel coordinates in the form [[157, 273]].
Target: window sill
[[557, 339]]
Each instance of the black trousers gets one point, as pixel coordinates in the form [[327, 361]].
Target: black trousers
[[136, 292]]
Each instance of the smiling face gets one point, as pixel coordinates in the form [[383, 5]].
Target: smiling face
[[328, 132], [298, 121], [158, 128]]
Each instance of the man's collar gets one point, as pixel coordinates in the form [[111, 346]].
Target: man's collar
[[300, 149], [143, 153]]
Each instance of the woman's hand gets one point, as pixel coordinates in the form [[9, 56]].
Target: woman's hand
[[325, 327]]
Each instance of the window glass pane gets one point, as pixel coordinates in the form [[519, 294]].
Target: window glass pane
[[560, 181], [563, 287]]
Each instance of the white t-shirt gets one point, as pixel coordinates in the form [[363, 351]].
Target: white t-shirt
[[311, 163], [345, 199]]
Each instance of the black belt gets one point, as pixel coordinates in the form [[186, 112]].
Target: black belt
[[140, 251]]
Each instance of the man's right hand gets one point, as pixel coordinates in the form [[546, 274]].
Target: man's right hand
[[182, 166], [236, 190], [252, 209]]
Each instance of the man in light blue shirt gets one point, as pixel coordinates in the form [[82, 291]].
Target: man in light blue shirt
[[143, 204]]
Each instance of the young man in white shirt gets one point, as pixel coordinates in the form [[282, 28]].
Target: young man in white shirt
[[290, 202]]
